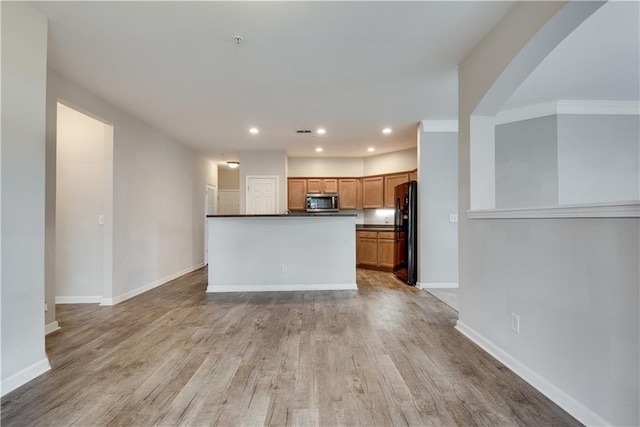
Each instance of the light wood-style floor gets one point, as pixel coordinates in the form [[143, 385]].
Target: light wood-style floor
[[387, 354]]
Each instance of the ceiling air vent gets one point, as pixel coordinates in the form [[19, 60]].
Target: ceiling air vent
[[303, 131]]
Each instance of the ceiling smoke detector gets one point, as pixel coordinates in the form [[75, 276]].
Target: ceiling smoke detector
[[237, 39]]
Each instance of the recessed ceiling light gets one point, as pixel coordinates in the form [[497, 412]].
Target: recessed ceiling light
[[386, 130], [321, 131], [254, 130], [233, 165], [319, 150], [371, 149]]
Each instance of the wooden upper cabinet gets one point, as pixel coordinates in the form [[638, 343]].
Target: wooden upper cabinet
[[359, 193], [347, 192], [314, 185], [330, 185], [413, 175], [372, 192], [390, 181], [297, 194], [322, 185]]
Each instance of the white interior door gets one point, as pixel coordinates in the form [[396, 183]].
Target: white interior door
[[262, 195], [210, 204]]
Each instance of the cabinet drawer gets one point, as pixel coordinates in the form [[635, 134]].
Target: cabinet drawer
[[387, 235], [368, 234]]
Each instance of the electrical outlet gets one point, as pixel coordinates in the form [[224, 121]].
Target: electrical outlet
[[515, 323], [46, 307], [281, 268], [453, 217], [101, 219]]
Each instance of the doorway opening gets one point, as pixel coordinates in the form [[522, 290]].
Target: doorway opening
[[211, 208], [84, 208]]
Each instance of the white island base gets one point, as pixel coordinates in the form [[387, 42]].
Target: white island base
[[257, 253]]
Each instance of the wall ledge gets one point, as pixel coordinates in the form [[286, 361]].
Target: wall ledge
[[630, 209]]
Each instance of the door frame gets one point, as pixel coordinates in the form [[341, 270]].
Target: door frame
[[246, 188], [213, 187]]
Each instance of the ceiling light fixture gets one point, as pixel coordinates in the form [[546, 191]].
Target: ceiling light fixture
[[233, 165], [254, 130], [371, 149], [321, 131], [386, 131], [319, 150]]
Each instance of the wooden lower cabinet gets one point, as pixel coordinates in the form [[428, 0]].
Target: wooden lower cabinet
[[375, 250], [367, 252], [386, 246]]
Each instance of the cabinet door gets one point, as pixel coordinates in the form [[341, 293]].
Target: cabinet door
[[390, 181], [386, 245], [297, 194], [347, 193], [367, 251], [330, 185], [372, 192], [314, 185], [359, 194]]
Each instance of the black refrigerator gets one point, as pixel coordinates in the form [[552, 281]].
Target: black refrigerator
[[405, 262]]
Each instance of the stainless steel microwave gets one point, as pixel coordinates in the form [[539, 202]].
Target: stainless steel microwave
[[322, 202]]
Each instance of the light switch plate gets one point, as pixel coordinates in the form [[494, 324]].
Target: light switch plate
[[453, 217], [101, 219]]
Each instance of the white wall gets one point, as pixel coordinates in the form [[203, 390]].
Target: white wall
[[24, 73], [437, 200], [81, 193], [526, 163], [159, 194], [325, 167], [574, 282], [290, 241], [397, 161], [263, 162], [598, 158]]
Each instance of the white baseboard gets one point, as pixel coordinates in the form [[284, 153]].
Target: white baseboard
[[148, 287], [283, 288], [432, 285], [51, 327], [559, 397], [79, 300], [24, 376]]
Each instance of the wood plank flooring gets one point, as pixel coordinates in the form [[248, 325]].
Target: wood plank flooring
[[387, 354]]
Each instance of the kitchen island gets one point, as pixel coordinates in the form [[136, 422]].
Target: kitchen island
[[293, 252]]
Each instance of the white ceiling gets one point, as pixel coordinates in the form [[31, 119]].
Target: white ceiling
[[600, 60], [352, 67]]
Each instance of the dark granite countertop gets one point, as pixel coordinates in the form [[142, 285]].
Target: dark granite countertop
[[290, 215], [374, 227]]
